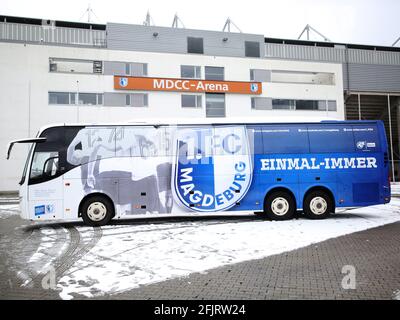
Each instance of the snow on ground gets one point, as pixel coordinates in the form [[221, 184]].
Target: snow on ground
[[7, 210], [48, 250], [128, 256], [133, 254]]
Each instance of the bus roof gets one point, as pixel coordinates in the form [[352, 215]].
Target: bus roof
[[206, 121]]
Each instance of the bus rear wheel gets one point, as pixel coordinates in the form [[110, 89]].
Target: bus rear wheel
[[97, 211], [317, 205], [279, 205]]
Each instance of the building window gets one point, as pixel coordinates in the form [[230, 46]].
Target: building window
[[69, 98], [62, 98], [98, 67], [215, 105], [310, 105], [195, 45], [127, 68], [260, 75], [332, 105], [283, 104], [90, 99], [303, 77], [263, 103], [75, 66], [214, 73], [99, 98], [191, 101], [136, 69], [252, 49], [191, 72], [137, 100]]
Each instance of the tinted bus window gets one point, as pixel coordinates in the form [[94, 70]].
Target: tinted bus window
[[255, 136], [285, 139], [91, 144], [70, 134], [138, 142], [229, 140], [330, 138]]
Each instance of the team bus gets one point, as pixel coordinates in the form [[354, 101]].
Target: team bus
[[103, 172]]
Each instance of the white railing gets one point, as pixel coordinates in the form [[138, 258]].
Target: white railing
[[51, 34]]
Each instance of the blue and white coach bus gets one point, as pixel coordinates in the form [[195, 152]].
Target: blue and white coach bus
[[104, 172]]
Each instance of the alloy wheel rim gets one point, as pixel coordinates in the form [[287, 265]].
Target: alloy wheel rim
[[318, 205], [280, 206], [96, 211]]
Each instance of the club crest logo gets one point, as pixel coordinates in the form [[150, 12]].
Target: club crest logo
[[123, 82], [50, 208], [212, 167], [254, 87], [361, 144]]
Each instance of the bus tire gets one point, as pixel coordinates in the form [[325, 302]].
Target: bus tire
[[279, 205], [317, 205], [97, 211]]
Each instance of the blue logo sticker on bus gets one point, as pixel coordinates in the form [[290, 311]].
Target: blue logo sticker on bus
[[39, 210], [361, 144], [50, 208]]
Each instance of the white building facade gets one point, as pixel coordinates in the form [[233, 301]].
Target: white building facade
[[55, 80]]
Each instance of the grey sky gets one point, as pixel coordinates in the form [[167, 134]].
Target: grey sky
[[353, 21]]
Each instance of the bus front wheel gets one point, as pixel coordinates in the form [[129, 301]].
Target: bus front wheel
[[97, 211], [279, 205], [317, 205]]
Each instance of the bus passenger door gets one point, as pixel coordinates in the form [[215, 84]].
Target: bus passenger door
[[45, 191], [45, 178]]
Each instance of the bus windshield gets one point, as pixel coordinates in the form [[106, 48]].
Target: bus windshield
[[46, 157], [50, 157]]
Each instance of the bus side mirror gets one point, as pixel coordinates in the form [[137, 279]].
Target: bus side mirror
[[31, 140]]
